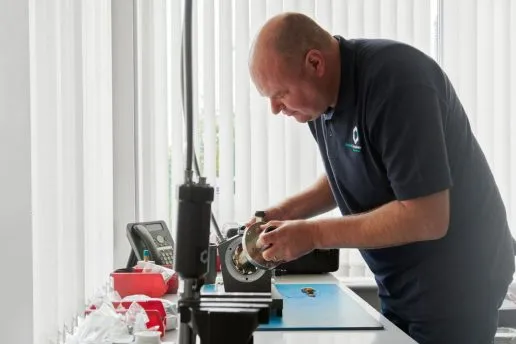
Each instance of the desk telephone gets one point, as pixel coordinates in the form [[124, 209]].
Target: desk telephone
[[154, 237]]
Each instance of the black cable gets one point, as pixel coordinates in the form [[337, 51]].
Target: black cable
[[188, 88], [187, 94]]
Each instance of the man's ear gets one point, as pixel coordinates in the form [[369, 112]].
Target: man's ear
[[314, 62]]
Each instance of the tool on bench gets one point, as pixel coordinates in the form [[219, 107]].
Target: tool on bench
[[244, 275], [252, 253]]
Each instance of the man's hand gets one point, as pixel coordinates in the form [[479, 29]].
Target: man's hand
[[290, 239], [272, 213]]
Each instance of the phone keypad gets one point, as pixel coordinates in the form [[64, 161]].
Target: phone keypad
[[166, 252]]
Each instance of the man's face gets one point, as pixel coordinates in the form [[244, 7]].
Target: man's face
[[292, 90]]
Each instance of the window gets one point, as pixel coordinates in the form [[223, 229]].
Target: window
[[254, 159]]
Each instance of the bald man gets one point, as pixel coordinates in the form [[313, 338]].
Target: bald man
[[416, 194]]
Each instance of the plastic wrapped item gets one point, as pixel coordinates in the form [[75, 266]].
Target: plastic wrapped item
[[102, 326], [171, 314], [154, 268], [105, 294], [136, 318], [170, 308]]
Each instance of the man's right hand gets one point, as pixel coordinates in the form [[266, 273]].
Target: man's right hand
[[272, 213]]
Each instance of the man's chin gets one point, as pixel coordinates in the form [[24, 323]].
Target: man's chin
[[303, 118]]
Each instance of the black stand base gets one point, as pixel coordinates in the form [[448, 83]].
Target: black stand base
[[218, 322], [273, 299]]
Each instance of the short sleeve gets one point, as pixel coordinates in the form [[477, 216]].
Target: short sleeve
[[407, 129]]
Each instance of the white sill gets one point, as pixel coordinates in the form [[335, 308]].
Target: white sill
[[357, 282]]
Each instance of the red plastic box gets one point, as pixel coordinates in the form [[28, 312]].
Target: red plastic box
[[143, 283], [154, 309]]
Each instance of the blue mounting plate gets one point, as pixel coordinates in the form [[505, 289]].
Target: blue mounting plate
[[330, 309]]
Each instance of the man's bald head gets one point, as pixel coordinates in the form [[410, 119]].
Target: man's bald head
[[296, 64], [290, 36]]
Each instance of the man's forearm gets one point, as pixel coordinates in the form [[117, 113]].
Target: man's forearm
[[392, 224], [315, 200]]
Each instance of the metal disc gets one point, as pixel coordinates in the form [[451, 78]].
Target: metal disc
[[253, 253], [232, 270]]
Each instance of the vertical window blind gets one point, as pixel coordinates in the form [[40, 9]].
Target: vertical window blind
[[72, 161], [479, 55]]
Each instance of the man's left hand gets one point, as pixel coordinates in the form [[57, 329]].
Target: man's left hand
[[290, 240]]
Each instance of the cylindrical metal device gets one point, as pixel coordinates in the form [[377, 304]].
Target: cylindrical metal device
[[193, 230], [252, 253], [212, 265]]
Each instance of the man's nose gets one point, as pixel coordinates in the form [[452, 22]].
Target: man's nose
[[276, 106]]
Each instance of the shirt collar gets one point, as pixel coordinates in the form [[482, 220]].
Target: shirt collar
[[328, 114], [346, 97]]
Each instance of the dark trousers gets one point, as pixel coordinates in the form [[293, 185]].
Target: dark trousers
[[471, 327], [474, 329]]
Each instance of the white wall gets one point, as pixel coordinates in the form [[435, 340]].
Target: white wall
[[16, 286]]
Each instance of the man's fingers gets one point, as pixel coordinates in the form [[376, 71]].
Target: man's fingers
[[270, 241], [263, 240], [270, 254], [266, 238], [271, 225]]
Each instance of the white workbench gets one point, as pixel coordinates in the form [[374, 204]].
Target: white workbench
[[389, 335]]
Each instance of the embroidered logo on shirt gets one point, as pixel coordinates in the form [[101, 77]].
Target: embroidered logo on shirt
[[355, 147]]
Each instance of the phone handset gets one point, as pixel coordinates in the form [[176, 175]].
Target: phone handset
[[148, 241]]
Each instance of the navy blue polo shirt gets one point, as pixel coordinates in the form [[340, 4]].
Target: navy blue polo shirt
[[399, 132]]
